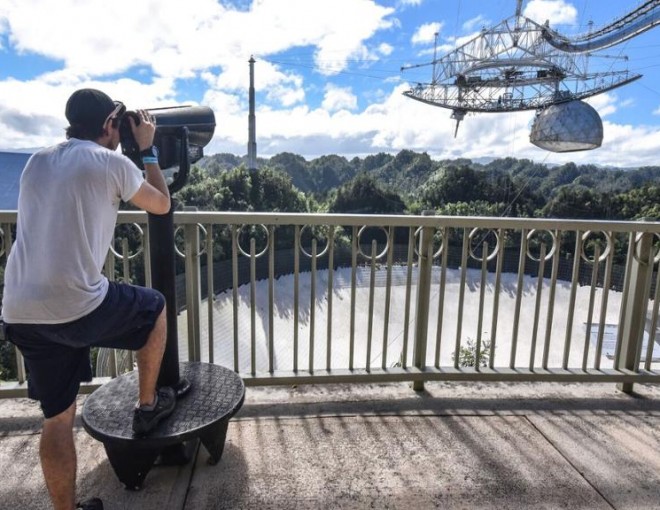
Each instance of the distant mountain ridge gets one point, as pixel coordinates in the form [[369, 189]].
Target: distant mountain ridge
[[408, 171]]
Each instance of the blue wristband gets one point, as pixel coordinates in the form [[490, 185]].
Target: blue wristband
[[149, 160]]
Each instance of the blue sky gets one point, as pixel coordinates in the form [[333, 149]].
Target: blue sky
[[328, 76]]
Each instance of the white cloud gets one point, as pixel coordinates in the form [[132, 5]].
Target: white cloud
[[477, 21], [32, 112], [609, 103], [451, 44], [171, 41], [605, 104], [178, 38], [338, 98], [425, 34], [385, 49], [618, 141], [557, 12], [338, 29], [282, 88], [460, 41]]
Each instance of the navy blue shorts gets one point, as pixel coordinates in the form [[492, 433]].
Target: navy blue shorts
[[57, 356]]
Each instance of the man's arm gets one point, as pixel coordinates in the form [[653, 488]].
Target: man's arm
[[153, 195]]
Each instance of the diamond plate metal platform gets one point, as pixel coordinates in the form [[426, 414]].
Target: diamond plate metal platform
[[217, 393]]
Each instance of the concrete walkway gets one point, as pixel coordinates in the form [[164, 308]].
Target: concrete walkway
[[466, 446]]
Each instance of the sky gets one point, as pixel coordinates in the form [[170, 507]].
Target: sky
[[328, 75]]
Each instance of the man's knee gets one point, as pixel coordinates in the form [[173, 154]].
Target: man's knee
[[159, 331], [161, 322], [63, 419]]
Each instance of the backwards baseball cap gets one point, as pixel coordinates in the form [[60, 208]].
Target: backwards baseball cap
[[90, 107]]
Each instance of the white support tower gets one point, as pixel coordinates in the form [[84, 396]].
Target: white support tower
[[252, 123]]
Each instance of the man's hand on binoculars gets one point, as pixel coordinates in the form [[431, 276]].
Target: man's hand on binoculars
[[145, 130]]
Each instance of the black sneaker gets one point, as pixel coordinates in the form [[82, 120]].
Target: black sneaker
[[145, 419], [90, 504]]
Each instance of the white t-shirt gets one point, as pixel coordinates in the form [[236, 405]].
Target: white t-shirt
[[67, 210]]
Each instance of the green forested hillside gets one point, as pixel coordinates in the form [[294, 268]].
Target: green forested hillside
[[410, 182]]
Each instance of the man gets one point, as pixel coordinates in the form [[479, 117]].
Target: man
[[56, 302]]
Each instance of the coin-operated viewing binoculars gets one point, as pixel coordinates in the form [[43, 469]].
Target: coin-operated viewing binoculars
[[181, 134]]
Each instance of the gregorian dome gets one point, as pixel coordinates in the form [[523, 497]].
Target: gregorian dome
[[567, 127]]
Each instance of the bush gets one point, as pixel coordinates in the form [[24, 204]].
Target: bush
[[468, 353]]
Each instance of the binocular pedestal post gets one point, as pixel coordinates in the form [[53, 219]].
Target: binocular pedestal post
[[163, 273], [163, 279]]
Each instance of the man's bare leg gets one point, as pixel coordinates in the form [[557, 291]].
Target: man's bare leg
[[149, 359], [58, 458]]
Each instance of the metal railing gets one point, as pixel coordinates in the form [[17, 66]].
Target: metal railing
[[318, 298]]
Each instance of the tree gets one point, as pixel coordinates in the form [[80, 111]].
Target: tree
[[200, 190], [406, 172], [376, 161], [273, 191], [296, 167], [475, 208], [329, 172], [454, 184], [642, 203], [364, 196], [577, 202], [218, 163]]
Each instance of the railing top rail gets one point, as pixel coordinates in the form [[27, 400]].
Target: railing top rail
[[280, 218]]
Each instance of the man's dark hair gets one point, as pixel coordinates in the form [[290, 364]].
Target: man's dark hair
[[86, 110], [83, 132]]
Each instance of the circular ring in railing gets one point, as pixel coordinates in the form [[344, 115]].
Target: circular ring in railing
[[387, 243], [247, 254], [604, 255], [491, 255], [638, 237], [201, 252], [552, 250], [130, 257], [302, 249], [437, 253]]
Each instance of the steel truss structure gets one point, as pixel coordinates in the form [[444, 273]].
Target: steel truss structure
[[522, 65]]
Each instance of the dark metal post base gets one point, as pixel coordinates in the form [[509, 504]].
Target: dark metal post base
[[177, 454], [216, 394], [131, 465], [213, 440]]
